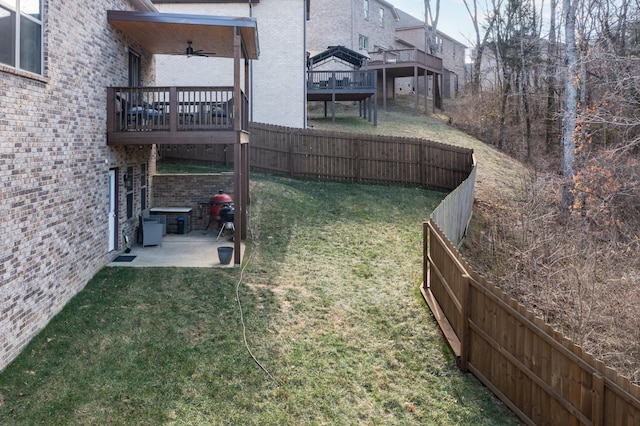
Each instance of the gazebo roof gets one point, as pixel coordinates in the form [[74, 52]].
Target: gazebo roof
[[347, 55]]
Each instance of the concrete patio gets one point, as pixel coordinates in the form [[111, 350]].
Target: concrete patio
[[193, 250]]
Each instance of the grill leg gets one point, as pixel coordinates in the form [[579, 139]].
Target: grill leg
[[224, 225]]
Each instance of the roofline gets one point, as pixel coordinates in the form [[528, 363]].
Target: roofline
[[181, 18], [438, 32], [392, 7], [144, 5]]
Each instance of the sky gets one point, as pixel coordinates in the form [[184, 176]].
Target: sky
[[454, 19]]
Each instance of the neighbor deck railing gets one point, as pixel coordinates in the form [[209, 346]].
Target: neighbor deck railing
[[173, 109], [398, 56], [341, 80]]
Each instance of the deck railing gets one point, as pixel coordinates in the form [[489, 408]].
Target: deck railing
[[341, 80], [173, 109], [405, 55]]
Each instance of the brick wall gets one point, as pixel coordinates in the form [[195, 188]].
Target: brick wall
[[341, 22], [194, 190], [330, 25], [54, 167]]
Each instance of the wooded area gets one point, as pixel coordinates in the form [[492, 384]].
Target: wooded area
[[538, 373], [557, 86]]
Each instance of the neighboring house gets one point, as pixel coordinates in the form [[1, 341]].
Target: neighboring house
[[277, 80], [376, 28], [360, 25], [410, 32], [489, 71], [75, 172]]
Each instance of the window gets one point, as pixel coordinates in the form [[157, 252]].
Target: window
[[363, 43], [365, 6], [134, 69], [128, 187], [143, 186], [21, 34], [381, 17]]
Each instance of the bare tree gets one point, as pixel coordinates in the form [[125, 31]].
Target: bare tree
[[431, 45], [571, 103], [431, 27], [552, 58], [480, 42]]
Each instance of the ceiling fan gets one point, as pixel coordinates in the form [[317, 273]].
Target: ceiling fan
[[191, 52]]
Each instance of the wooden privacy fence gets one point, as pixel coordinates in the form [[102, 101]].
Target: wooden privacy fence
[[342, 156], [358, 158], [542, 376]]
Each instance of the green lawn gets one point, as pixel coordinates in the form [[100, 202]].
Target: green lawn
[[330, 301]]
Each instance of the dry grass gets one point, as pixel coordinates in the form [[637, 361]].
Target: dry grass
[[581, 281]]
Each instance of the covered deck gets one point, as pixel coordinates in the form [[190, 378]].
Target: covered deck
[[189, 115], [395, 63], [174, 115], [354, 84]]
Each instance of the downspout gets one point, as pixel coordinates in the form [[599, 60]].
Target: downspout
[[250, 74], [305, 14]]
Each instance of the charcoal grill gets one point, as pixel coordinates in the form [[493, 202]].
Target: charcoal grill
[[226, 218]]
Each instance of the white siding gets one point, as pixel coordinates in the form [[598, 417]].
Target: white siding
[[279, 73]]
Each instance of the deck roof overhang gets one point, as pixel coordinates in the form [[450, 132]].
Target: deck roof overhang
[[168, 33]]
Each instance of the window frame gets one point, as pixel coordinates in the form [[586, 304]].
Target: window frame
[[143, 186], [365, 9], [382, 17], [363, 43], [129, 183], [21, 54]]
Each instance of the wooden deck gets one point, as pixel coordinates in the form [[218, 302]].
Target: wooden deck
[[335, 86], [175, 115], [341, 85], [392, 64], [398, 59]]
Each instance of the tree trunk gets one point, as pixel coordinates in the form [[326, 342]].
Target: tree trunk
[[571, 105], [551, 80]]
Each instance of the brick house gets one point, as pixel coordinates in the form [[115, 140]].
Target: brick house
[[394, 41], [74, 175], [410, 32], [359, 25]]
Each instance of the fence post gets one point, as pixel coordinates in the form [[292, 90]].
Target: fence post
[[465, 301], [426, 247], [597, 403], [288, 139], [356, 159], [421, 165]]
